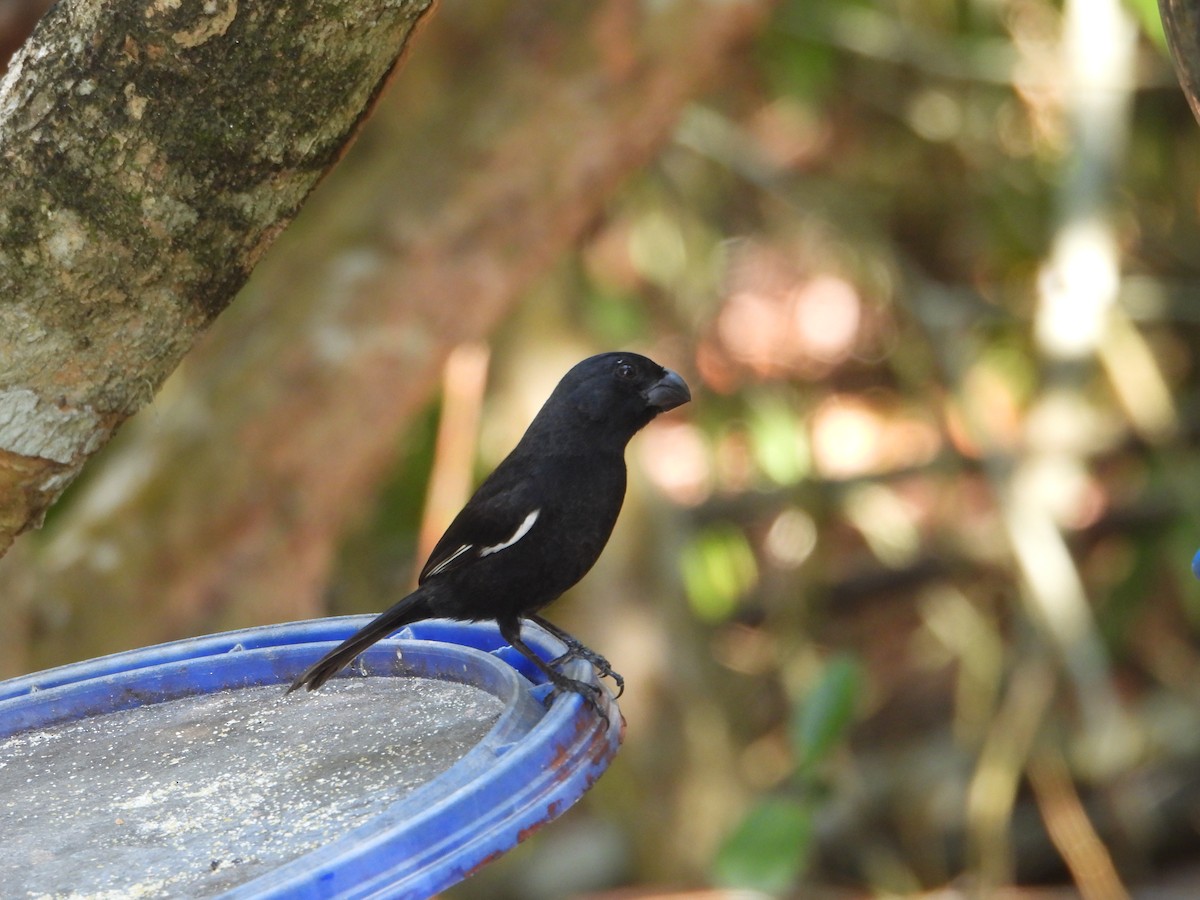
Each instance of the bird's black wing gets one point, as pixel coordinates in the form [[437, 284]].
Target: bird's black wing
[[502, 512]]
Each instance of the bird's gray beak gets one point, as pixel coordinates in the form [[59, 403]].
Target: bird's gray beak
[[668, 392]]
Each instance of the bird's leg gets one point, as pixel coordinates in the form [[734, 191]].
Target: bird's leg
[[511, 632], [576, 649]]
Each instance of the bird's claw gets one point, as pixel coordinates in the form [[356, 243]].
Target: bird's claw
[[576, 650], [591, 693]]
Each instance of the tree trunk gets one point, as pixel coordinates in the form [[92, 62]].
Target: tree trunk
[[149, 154]]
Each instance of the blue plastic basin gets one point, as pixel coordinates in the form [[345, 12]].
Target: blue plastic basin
[[532, 765]]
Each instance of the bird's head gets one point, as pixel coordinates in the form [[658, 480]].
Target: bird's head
[[619, 392]]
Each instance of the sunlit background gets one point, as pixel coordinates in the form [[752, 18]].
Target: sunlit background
[[902, 598]]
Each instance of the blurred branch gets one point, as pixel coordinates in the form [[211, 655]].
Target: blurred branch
[[1076, 303], [1181, 22], [149, 159], [463, 384], [224, 506], [1072, 832], [997, 778]]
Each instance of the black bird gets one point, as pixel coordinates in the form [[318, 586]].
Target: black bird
[[537, 524]]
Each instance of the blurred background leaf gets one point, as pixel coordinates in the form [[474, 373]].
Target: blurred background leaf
[[769, 848], [822, 717]]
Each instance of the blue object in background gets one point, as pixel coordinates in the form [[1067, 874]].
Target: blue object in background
[[531, 766], [1196, 564]]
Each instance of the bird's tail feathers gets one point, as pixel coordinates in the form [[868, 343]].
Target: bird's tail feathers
[[411, 609]]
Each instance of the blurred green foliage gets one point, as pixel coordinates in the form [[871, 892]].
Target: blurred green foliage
[[822, 718], [769, 849], [718, 569]]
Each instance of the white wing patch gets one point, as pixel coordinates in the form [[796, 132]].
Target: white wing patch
[[522, 530], [449, 559]]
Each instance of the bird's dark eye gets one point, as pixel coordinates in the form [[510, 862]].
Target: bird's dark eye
[[626, 372]]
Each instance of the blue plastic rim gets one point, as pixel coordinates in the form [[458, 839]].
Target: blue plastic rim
[[533, 764]]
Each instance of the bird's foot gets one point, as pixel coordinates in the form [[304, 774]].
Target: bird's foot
[[591, 693], [577, 650]]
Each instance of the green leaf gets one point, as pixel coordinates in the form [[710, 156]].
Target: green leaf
[[777, 440], [820, 719], [769, 849], [718, 568]]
